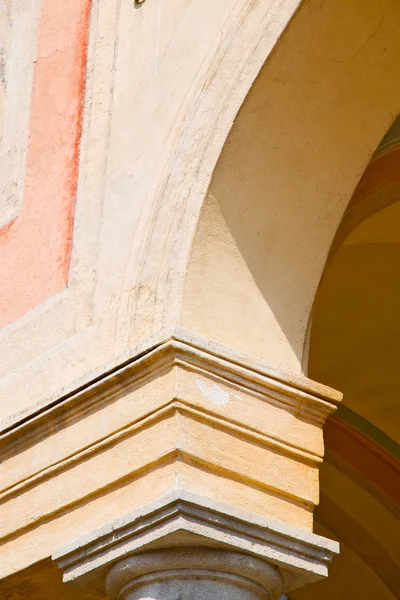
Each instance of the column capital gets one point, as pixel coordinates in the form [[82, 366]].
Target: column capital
[[235, 445], [186, 568], [185, 529]]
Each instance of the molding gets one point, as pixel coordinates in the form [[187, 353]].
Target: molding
[[171, 379], [264, 438], [194, 565], [171, 409], [183, 519], [378, 437], [376, 190], [309, 400], [373, 463]]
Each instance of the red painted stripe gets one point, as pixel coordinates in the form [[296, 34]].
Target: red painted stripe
[[381, 171], [364, 455], [35, 248]]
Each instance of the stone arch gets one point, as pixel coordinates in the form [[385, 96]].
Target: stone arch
[[353, 345], [326, 93], [378, 188], [353, 334], [227, 54], [301, 141]]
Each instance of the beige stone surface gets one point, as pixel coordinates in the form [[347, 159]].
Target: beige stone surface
[[162, 529], [18, 36], [151, 140], [164, 83], [187, 414], [103, 405], [300, 143]]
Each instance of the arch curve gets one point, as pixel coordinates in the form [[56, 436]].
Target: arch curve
[[301, 141]]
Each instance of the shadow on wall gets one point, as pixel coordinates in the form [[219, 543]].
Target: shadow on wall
[[290, 165]]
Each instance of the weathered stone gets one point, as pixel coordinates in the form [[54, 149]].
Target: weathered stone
[[184, 520]]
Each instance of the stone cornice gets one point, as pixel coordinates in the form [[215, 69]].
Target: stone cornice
[[310, 401], [183, 519], [184, 405]]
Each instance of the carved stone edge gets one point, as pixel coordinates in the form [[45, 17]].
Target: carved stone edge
[[172, 520], [313, 401], [195, 563]]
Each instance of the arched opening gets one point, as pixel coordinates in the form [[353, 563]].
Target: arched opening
[[305, 143], [302, 139], [353, 345]]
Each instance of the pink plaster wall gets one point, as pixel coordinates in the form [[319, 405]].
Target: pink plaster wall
[[35, 248]]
